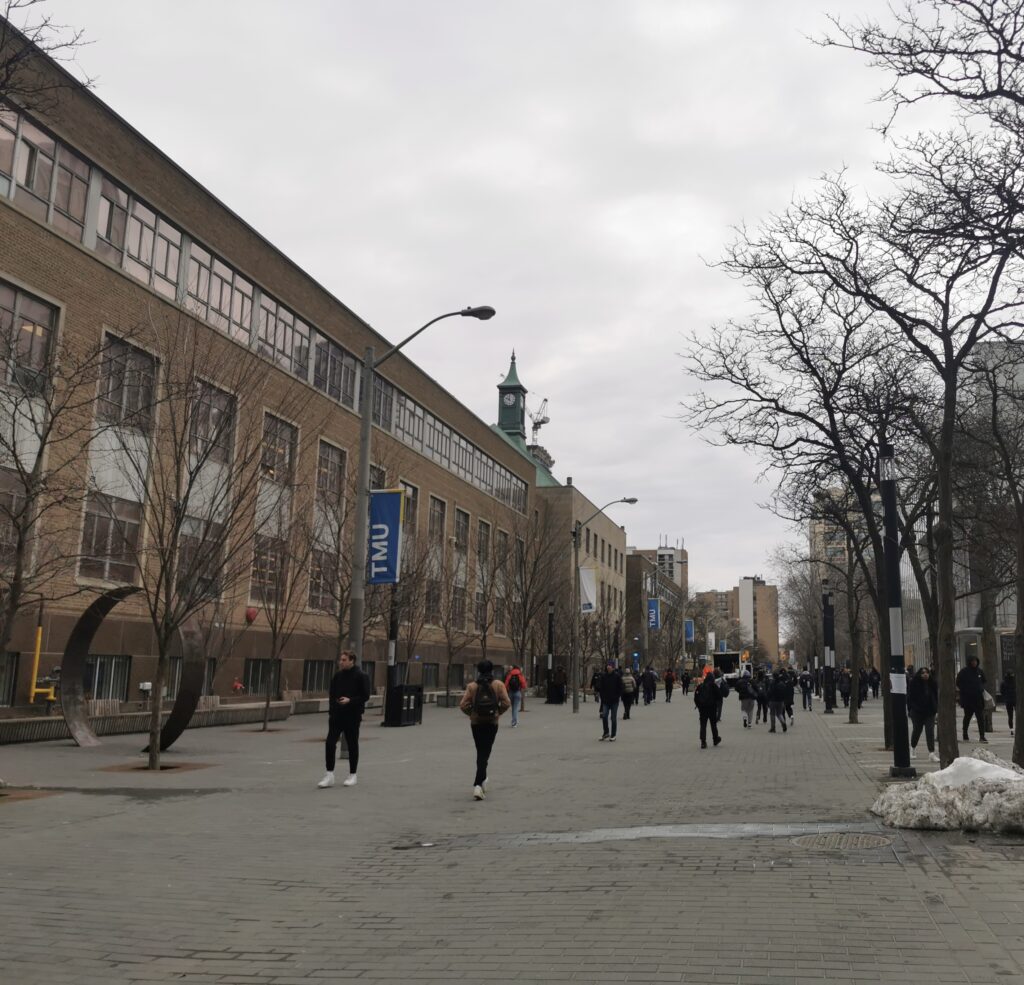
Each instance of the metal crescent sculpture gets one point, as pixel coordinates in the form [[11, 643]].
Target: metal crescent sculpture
[[72, 678]]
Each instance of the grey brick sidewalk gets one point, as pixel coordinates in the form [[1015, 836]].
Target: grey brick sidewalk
[[244, 872]]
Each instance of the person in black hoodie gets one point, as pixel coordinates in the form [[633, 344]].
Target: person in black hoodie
[[610, 688], [707, 698], [778, 691], [350, 690], [922, 706], [970, 682], [1009, 694]]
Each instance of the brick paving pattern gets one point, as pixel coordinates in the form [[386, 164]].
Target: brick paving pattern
[[647, 860]]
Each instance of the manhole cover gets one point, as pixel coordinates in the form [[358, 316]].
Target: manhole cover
[[842, 842]]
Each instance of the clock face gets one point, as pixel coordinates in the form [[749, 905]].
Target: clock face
[[510, 399]]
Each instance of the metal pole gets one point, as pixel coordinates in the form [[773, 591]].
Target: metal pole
[[828, 625], [893, 590], [574, 656], [357, 603]]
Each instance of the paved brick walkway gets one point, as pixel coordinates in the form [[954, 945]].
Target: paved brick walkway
[[244, 872]]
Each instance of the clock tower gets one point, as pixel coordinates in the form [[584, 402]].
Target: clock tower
[[512, 403]]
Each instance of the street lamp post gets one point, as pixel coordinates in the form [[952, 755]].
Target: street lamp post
[[574, 655], [828, 617], [897, 667], [357, 599]]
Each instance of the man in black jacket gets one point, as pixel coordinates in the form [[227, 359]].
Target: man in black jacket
[[707, 698], [609, 687], [970, 682], [350, 690], [922, 706]]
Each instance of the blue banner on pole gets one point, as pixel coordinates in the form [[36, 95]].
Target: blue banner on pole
[[689, 630], [654, 613], [385, 556], [723, 645]]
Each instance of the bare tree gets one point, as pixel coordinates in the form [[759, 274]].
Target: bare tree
[[46, 433], [29, 36], [180, 475], [536, 554]]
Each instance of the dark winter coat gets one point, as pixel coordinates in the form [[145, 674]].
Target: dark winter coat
[[609, 687], [970, 682], [922, 696], [707, 696], [1009, 692], [779, 690], [354, 685]]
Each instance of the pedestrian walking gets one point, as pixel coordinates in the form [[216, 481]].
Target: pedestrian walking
[[761, 696], [970, 683], [723, 692], [628, 692], [348, 694], [777, 693], [922, 706], [875, 680], [807, 690], [844, 686], [707, 698], [684, 682], [1009, 695], [790, 678], [748, 700], [485, 701], [515, 684], [610, 688], [650, 685], [670, 683]]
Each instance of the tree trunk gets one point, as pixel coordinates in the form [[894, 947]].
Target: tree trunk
[[945, 663]]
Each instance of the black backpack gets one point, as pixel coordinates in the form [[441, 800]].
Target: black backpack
[[485, 702], [515, 683]]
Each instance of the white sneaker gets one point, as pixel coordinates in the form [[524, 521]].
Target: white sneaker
[[478, 792], [328, 780], [350, 782], [913, 753], [483, 786], [933, 756]]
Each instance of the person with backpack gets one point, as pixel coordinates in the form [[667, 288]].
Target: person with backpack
[[485, 701], [515, 684], [707, 698], [748, 700], [761, 696], [349, 692], [778, 691], [670, 683], [628, 692], [684, 683], [610, 689], [806, 689]]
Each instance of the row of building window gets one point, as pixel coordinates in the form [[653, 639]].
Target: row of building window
[[54, 184], [598, 548]]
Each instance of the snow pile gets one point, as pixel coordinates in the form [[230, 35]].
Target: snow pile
[[978, 792]]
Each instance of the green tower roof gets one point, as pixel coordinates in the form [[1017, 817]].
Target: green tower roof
[[512, 378]]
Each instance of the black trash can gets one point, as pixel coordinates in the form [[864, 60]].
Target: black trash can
[[404, 705]]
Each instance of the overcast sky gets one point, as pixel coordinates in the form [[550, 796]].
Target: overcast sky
[[574, 163]]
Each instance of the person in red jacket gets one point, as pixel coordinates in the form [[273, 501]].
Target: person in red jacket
[[515, 684]]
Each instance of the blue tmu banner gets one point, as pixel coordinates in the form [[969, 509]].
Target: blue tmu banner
[[654, 613], [689, 630], [385, 560]]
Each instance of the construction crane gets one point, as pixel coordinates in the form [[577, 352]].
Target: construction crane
[[540, 418]]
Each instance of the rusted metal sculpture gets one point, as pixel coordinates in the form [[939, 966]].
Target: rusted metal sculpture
[[72, 695]]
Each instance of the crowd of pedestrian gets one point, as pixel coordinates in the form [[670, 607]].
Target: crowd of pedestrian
[[765, 696]]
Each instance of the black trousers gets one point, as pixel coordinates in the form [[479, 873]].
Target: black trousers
[[337, 726], [978, 712], [627, 703], [668, 692], [762, 709], [1010, 709], [706, 716], [926, 722], [483, 738]]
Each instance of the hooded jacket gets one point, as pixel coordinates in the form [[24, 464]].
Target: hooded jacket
[[922, 696], [970, 682]]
